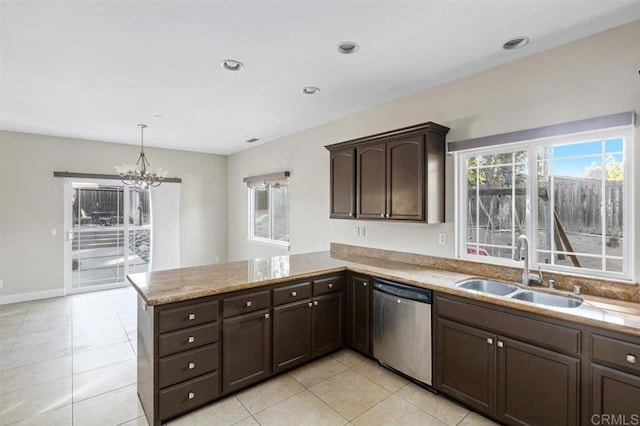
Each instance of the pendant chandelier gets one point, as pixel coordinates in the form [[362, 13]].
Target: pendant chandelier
[[141, 175]]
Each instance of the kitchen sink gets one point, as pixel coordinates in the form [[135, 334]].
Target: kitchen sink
[[486, 286], [547, 299]]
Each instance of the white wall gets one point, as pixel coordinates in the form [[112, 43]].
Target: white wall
[[590, 77], [31, 203]]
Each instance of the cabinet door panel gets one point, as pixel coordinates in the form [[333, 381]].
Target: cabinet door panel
[[535, 385], [466, 363], [405, 179], [371, 187], [614, 392], [291, 335], [327, 323], [343, 175], [246, 350], [360, 314]]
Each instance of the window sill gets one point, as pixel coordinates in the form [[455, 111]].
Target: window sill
[[266, 241]]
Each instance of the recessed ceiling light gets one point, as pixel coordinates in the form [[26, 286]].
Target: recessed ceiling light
[[515, 43], [232, 65], [157, 116], [348, 47], [310, 90], [252, 140]]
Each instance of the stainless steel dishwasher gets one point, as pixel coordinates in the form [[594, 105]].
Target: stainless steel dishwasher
[[402, 328]]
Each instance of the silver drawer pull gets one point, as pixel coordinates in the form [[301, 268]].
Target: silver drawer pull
[[490, 340], [192, 339], [310, 304], [631, 359], [192, 395], [192, 317], [266, 316], [249, 304], [364, 284], [315, 303], [330, 285], [500, 344], [294, 294], [192, 365]]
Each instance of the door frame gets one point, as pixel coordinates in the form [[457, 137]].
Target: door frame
[[68, 234]]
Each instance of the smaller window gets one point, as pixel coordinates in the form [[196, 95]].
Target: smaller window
[[269, 213]]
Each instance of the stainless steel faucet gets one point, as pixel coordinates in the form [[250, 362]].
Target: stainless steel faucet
[[527, 277]]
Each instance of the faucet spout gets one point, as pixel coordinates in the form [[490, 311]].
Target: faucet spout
[[523, 241]]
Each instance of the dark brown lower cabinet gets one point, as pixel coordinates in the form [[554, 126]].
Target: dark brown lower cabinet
[[614, 393], [327, 324], [359, 311], [291, 334], [536, 386], [306, 329], [516, 381], [466, 365], [246, 349]]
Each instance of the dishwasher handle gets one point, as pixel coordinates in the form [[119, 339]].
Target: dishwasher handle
[[417, 294]]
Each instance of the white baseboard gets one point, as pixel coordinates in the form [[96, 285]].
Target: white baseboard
[[34, 295]]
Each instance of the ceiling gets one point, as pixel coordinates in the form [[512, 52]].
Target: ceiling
[[94, 69]]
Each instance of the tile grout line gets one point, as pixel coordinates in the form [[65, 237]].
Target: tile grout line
[[15, 338]]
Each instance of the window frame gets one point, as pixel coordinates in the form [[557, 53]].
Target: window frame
[[252, 218], [531, 221]]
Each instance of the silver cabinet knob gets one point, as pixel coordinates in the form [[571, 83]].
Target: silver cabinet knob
[[249, 304], [330, 285], [350, 214], [266, 316], [192, 395], [192, 317], [310, 304], [382, 215], [192, 339], [315, 303], [364, 284], [490, 340], [192, 365], [500, 344], [294, 294], [631, 359], [398, 301]]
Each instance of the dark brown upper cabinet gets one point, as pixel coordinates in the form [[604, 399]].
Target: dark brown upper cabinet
[[397, 175], [343, 183]]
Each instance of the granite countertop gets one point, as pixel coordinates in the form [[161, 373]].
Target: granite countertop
[[162, 287]]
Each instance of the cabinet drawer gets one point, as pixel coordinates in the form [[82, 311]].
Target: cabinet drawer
[[187, 365], [187, 316], [189, 338], [328, 285], [291, 293], [617, 352], [245, 303], [529, 330], [185, 396]]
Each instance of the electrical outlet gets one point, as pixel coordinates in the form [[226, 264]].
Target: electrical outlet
[[216, 259], [53, 232], [442, 238], [356, 231], [363, 231]]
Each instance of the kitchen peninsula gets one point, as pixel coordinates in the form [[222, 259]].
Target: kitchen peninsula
[[206, 332]]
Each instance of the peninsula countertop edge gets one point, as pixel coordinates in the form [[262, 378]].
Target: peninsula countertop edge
[[182, 284]]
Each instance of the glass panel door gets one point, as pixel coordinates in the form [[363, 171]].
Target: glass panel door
[[110, 234]]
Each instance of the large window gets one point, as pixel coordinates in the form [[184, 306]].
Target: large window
[[269, 213], [571, 196]]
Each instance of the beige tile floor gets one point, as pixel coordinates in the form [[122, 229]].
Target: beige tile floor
[[71, 361]]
